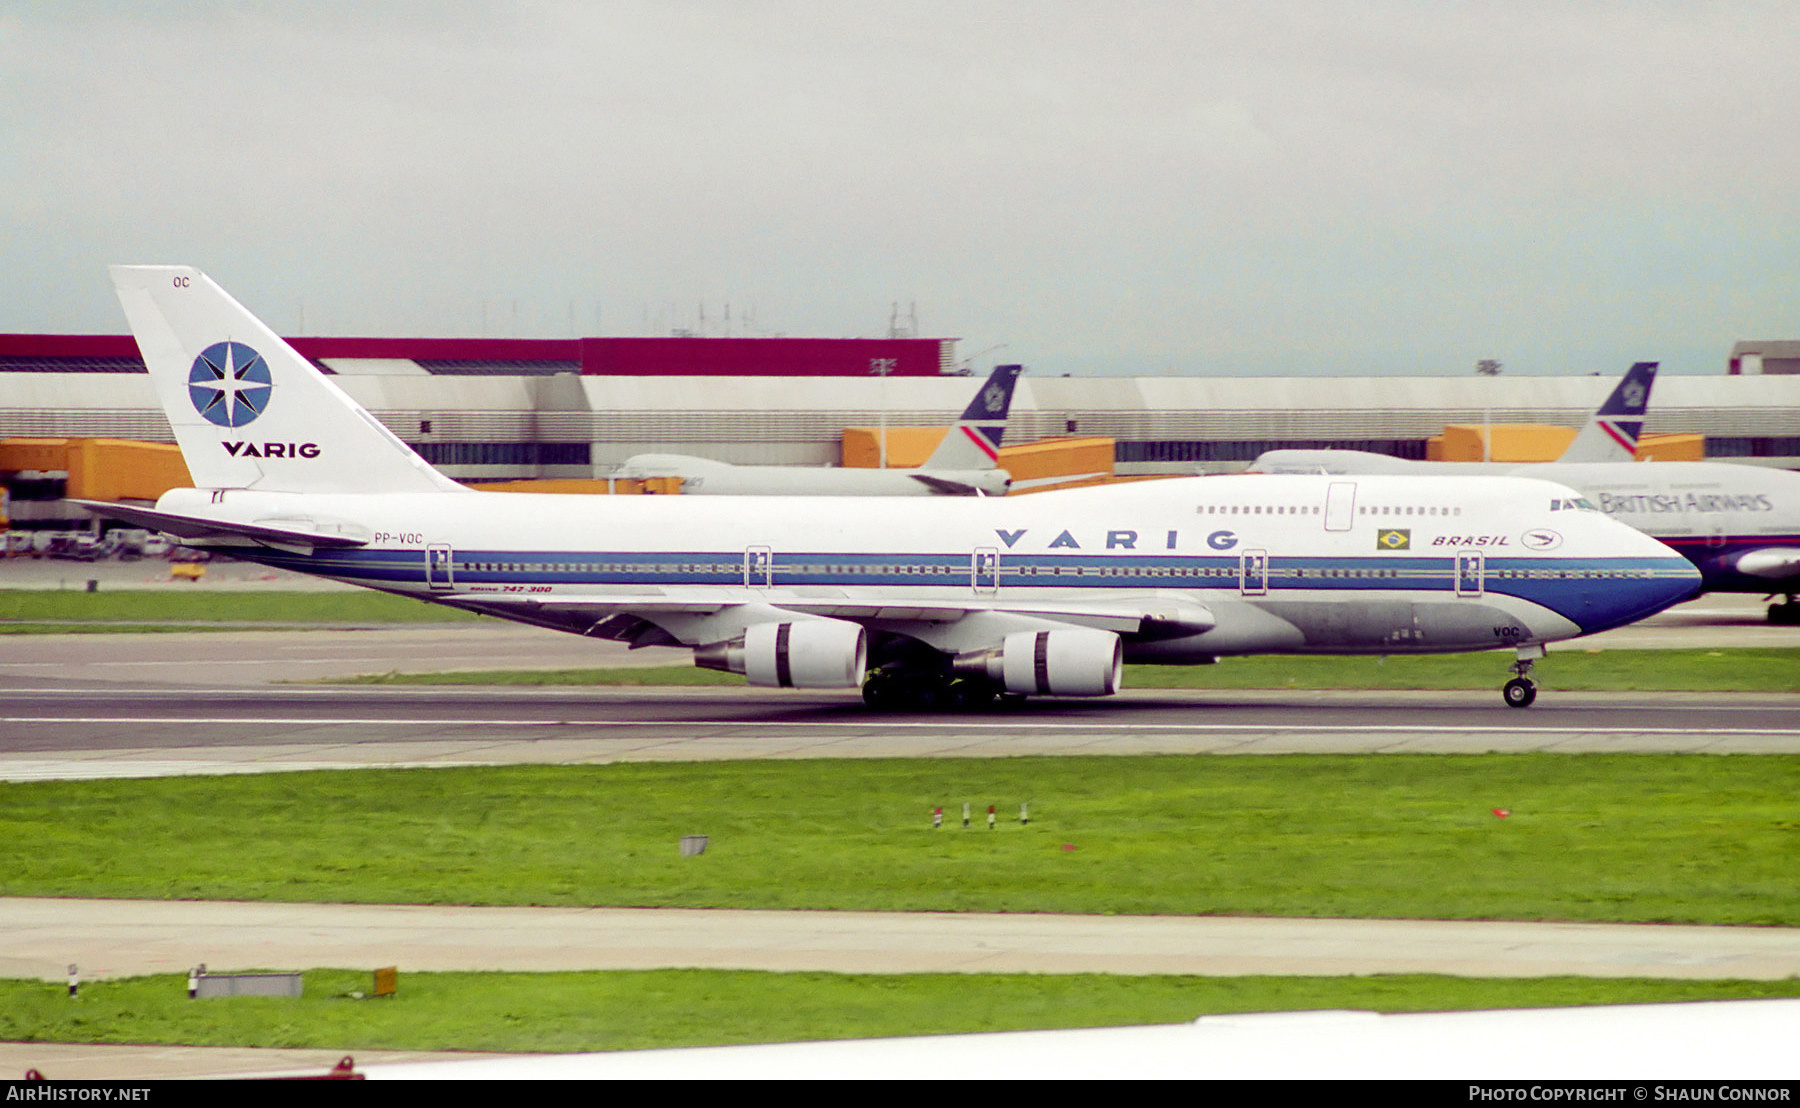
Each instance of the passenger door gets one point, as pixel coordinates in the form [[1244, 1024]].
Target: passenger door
[[984, 571], [438, 574], [1253, 572], [1470, 571], [1340, 505], [759, 567]]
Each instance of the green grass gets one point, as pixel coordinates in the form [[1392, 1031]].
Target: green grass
[[1653, 838], [64, 611], [667, 1008]]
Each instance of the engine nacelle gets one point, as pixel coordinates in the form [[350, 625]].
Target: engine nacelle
[[1074, 661], [803, 654]]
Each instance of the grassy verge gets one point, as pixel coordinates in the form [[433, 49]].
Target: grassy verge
[[64, 611], [668, 1008], [1654, 838]]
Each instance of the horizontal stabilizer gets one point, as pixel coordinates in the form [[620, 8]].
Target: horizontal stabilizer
[[944, 485], [194, 527]]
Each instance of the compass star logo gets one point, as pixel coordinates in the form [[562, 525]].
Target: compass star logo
[[992, 397], [1634, 395], [229, 384]]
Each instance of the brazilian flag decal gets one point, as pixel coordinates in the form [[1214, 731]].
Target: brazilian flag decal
[[1393, 540]]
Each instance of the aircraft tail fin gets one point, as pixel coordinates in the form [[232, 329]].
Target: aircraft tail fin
[[974, 443], [248, 410], [1612, 435]]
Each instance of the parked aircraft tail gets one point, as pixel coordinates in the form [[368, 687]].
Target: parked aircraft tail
[[247, 410], [974, 442], [1612, 435]]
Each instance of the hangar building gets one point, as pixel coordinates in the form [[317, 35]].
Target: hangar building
[[508, 409]]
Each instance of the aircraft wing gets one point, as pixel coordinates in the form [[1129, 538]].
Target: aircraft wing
[[1773, 562], [698, 617], [284, 533], [1127, 617]]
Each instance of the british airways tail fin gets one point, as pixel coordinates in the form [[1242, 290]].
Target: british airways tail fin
[[1612, 435], [247, 410], [974, 443]]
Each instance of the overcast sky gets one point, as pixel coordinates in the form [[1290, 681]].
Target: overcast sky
[[1109, 187]]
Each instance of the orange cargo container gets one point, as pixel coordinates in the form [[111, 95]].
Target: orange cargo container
[[102, 469], [1536, 442], [1508, 442], [1059, 463], [1682, 447], [49, 455], [908, 447]]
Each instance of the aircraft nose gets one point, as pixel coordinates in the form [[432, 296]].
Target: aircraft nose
[[1658, 582]]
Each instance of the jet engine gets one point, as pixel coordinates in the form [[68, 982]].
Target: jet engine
[[1074, 661], [804, 654]]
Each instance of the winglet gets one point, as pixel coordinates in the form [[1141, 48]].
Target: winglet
[[974, 443], [1612, 435]]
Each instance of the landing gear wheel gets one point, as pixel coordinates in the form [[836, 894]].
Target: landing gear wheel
[[1522, 690], [1785, 614], [926, 695], [971, 696], [906, 691]]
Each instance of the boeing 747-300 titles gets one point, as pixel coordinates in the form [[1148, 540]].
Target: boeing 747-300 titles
[[919, 602]]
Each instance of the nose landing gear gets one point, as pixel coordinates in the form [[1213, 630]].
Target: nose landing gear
[[1522, 690]]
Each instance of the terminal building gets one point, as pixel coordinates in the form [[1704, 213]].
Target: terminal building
[[518, 409]]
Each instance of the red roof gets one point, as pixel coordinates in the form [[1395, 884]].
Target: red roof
[[657, 357]]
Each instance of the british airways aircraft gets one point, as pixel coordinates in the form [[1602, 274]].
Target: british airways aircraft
[[920, 603], [965, 463], [1738, 524]]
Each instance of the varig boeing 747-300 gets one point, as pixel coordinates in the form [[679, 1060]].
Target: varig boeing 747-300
[[919, 602]]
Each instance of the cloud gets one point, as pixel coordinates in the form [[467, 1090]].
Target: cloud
[[1205, 187]]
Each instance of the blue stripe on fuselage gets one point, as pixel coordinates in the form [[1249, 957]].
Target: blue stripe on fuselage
[[1594, 593]]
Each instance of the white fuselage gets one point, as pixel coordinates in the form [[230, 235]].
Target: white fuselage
[[1713, 513], [1387, 565], [706, 477]]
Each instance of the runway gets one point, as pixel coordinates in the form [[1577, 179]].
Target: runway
[[85, 706], [122, 705], [77, 729]]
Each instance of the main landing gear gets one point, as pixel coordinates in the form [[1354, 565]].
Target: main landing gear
[[1786, 613], [913, 690], [1522, 690]]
